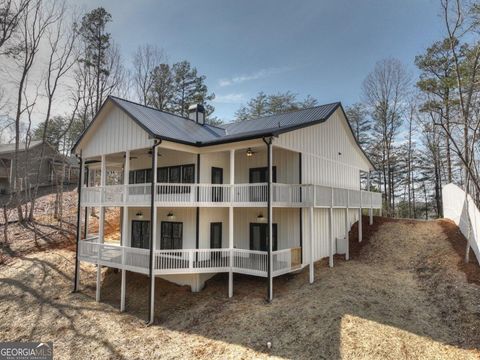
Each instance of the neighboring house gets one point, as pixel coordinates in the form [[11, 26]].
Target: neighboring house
[[219, 193], [28, 162]]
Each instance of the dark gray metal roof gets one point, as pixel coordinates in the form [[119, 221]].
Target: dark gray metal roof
[[285, 120], [176, 128]]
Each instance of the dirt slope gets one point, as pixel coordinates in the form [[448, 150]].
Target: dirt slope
[[404, 294]]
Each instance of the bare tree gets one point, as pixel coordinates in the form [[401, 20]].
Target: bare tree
[[145, 59], [386, 91], [11, 12], [36, 19], [62, 56]]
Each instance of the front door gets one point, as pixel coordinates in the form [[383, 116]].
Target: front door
[[171, 235], [260, 175], [141, 234], [217, 178], [259, 237], [216, 235]]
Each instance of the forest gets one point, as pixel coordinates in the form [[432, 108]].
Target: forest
[[418, 125]]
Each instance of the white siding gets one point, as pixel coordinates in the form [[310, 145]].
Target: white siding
[[208, 216], [114, 132], [209, 160], [286, 162], [330, 155], [320, 230], [288, 221]]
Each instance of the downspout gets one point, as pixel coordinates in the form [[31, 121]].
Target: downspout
[[152, 205], [86, 210], [268, 141], [79, 191]]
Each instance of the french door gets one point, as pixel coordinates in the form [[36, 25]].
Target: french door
[[217, 178], [259, 237], [171, 235], [140, 234]]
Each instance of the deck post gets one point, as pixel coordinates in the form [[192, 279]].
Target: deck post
[[153, 232], [311, 266], [370, 209], [230, 220], [126, 173], [101, 225], [76, 281], [122, 290], [360, 211], [330, 232], [347, 229]]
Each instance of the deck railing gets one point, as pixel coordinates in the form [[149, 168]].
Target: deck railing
[[186, 261], [238, 194]]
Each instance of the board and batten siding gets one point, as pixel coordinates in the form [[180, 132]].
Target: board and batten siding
[[114, 132], [288, 221], [320, 231], [330, 155], [284, 160]]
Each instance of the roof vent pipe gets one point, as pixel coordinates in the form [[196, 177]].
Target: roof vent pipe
[[197, 113]]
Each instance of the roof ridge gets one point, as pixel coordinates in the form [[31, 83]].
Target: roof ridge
[[150, 107], [286, 112]]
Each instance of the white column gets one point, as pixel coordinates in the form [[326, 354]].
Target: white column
[[79, 235], [370, 209], [122, 290], [311, 267], [230, 220], [126, 172], [360, 212], [101, 225], [347, 229]]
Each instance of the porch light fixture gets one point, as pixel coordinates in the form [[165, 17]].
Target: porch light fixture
[[139, 215], [260, 218], [249, 152], [170, 216]]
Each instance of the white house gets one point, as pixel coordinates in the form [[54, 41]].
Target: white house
[[212, 197]]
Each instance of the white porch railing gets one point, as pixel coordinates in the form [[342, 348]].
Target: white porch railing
[[186, 261], [221, 194]]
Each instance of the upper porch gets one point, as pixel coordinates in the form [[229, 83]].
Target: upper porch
[[219, 177]]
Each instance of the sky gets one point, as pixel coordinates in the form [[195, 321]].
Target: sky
[[320, 48]]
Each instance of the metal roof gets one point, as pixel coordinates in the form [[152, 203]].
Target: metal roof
[[10, 148], [177, 128]]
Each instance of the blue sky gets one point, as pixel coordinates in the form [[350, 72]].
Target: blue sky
[[321, 48]]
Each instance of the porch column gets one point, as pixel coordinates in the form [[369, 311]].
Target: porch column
[[126, 172], [270, 214], [370, 210], [330, 232], [360, 210], [76, 282], [153, 232], [101, 225], [311, 267], [347, 229], [230, 220]]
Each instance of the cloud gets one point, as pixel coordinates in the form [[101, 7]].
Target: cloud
[[232, 98], [263, 73]]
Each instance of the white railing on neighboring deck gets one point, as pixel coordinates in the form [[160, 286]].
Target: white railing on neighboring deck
[[238, 194]]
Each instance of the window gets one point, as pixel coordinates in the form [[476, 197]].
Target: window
[[188, 174], [171, 235], [162, 175], [175, 174]]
